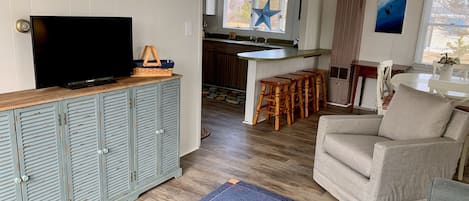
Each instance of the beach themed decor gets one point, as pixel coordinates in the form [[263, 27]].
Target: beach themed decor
[[265, 14], [390, 17]]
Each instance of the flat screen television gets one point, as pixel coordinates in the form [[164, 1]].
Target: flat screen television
[[76, 52]]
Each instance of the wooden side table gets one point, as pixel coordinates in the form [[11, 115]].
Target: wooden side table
[[367, 69]]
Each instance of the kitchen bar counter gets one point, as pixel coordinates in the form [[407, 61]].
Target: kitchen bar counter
[[271, 61], [280, 54], [268, 63], [249, 43]]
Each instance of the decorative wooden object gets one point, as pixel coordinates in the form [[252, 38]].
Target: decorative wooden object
[[150, 69], [150, 49]]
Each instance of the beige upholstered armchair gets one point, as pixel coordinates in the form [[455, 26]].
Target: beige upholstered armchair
[[390, 158]]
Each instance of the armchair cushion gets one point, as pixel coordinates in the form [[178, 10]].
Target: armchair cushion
[[355, 151], [414, 114]]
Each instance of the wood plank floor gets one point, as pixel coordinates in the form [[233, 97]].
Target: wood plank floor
[[278, 161]]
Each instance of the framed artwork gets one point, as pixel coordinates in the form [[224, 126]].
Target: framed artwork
[[390, 17]]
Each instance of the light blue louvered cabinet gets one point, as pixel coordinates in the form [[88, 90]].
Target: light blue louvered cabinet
[[169, 115], [111, 145], [146, 136], [41, 161], [98, 146], [116, 147], [82, 146], [156, 134], [10, 181]]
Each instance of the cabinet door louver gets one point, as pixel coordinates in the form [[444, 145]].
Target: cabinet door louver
[[145, 117], [116, 134], [38, 140], [82, 138], [170, 123], [8, 158]]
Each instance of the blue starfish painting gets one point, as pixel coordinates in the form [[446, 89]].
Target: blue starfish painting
[[265, 14]]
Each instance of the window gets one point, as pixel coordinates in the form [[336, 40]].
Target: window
[[444, 28], [238, 14]]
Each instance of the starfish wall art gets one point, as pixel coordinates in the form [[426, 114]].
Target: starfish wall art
[[265, 14]]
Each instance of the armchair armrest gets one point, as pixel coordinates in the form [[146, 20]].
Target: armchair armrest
[[402, 168], [347, 124], [350, 124]]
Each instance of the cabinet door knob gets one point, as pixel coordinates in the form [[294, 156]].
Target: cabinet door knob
[[25, 178], [105, 150], [157, 132], [161, 131], [17, 180], [100, 152]]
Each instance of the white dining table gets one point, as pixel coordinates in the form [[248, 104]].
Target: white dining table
[[420, 81]]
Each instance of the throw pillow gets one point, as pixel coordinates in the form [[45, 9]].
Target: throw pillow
[[415, 114]]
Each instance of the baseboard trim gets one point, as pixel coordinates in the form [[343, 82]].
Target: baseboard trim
[[339, 105], [186, 153]]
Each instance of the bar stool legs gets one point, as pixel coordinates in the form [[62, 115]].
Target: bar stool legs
[[278, 95], [320, 83], [296, 93], [309, 90], [323, 84], [320, 89], [283, 93], [277, 99], [259, 105], [299, 86]]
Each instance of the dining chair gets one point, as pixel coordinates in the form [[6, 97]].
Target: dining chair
[[461, 70], [384, 90]]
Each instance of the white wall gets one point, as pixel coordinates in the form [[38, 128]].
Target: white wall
[[383, 46], [310, 24], [328, 12], [398, 47], [158, 22]]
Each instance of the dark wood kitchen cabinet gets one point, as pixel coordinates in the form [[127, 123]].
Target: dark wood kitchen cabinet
[[221, 65]]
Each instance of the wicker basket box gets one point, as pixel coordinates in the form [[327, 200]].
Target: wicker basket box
[[152, 72], [152, 68]]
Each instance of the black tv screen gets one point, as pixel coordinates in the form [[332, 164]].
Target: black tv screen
[[76, 49]]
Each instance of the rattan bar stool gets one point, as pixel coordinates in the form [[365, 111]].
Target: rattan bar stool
[[296, 94], [308, 90], [275, 92], [320, 86]]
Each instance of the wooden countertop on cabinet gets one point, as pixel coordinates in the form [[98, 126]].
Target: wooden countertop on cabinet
[[26, 98]]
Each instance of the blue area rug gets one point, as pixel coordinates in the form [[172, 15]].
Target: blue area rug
[[239, 191]]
